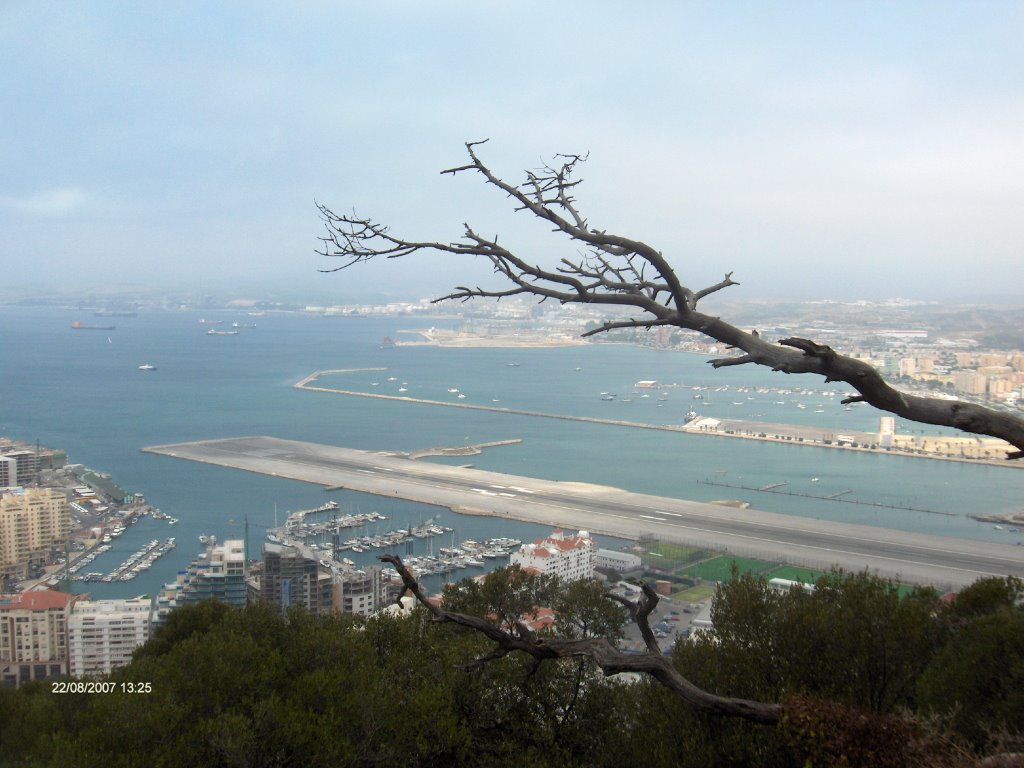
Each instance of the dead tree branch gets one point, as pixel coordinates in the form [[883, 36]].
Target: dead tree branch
[[619, 271], [610, 660]]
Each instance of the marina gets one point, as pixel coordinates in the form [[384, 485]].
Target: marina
[[322, 540], [133, 566]]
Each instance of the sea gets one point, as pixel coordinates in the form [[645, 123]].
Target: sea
[[83, 391]]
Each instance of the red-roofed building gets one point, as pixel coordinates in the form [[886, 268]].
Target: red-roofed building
[[569, 557], [34, 635], [541, 618]]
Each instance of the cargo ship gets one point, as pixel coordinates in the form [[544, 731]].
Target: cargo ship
[[77, 326]]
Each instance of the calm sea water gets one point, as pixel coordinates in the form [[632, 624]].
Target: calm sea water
[[82, 391]]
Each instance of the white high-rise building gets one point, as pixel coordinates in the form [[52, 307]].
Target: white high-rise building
[[568, 557], [103, 634], [359, 591], [886, 431]]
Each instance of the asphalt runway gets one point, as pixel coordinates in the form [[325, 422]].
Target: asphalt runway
[[914, 557]]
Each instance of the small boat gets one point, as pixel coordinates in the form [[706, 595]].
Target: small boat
[[147, 367]]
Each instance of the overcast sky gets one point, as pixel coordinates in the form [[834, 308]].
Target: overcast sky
[[833, 149]]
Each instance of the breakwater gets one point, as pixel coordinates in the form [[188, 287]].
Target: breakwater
[[789, 434], [306, 384]]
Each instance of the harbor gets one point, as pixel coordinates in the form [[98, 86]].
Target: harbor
[[321, 539], [941, 447], [137, 563], [248, 387]]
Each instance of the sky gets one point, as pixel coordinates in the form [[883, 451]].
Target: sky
[[816, 150]]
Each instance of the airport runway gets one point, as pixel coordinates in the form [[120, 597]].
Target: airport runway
[[915, 557]]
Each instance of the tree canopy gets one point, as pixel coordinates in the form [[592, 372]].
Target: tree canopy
[[865, 676]]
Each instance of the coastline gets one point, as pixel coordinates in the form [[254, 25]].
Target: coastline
[[815, 437]]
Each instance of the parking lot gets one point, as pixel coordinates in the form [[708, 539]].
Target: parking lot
[[671, 620]]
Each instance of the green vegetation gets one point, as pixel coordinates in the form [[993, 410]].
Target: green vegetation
[[697, 594], [720, 568], [866, 676], [667, 555]]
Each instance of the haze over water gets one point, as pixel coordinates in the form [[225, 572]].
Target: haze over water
[[82, 391]]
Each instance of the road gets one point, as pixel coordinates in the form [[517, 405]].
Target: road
[[943, 561]]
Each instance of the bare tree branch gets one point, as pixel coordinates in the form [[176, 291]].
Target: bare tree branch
[[619, 271], [610, 660]]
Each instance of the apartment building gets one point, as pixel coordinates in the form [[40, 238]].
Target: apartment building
[[290, 578], [359, 591], [568, 557], [32, 521], [34, 635], [218, 573], [103, 634]]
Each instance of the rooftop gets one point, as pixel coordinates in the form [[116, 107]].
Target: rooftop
[[36, 600]]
